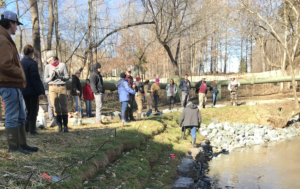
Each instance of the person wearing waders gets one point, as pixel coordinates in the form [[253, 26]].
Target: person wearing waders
[[191, 119], [233, 88], [77, 91], [12, 80]]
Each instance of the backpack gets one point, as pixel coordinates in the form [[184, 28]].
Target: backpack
[[141, 89]]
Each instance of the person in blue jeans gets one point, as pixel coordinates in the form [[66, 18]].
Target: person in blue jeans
[[191, 119], [12, 80], [214, 91], [124, 90], [88, 97]]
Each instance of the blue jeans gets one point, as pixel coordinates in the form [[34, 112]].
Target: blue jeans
[[193, 130], [124, 105], [88, 107], [156, 98], [77, 108], [14, 107], [214, 98]]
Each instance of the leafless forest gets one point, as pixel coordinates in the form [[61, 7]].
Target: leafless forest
[[160, 38]]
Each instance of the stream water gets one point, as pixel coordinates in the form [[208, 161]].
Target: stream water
[[274, 165]]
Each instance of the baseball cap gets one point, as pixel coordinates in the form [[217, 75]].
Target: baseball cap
[[129, 69], [8, 15]]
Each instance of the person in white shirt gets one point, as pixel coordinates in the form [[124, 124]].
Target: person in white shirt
[[233, 88]]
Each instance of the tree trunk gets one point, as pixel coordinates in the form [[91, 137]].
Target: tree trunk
[[56, 26], [51, 25], [21, 33], [36, 34]]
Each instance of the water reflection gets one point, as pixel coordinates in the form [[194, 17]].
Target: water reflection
[[269, 166]]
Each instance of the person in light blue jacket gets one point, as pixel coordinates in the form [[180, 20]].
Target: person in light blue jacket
[[124, 90], [171, 90]]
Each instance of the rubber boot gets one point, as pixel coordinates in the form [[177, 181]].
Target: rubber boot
[[22, 140], [123, 116], [65, 120], [131, 115], [203, 106], [182, 135], [193, 142], [32, 128], [27, 126], [126, 118], [59, 122], [13, 140]]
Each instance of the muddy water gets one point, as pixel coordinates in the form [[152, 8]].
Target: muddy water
[[274, 166]]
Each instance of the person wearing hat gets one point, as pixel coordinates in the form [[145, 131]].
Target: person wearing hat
[[191, 119], [124, 90], [139, 95], [185, 86], [56, 75], [77, 91], [156, 92], [12, 80], [171, 90], [201, 90], [233, 88], [214, 91], [33, 89], [98, 89], [129, 112]]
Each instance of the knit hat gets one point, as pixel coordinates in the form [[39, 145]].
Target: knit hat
[[156, 80], [77, 72], [137, 78], [51, 54], [122, 75], [129, 69]]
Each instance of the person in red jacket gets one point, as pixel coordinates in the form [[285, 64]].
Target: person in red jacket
[[88, 97]]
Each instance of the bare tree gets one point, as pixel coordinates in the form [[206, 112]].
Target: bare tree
[[51, 24]]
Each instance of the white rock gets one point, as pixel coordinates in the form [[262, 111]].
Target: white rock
[[227, 126], [211, 126], [204, 133]]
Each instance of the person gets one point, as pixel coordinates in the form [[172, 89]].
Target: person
[[88, 97], [191, 119], [214, 92], [201, 90], [129, 112], [77, 91], [124, 90], [233, 88], [33, 89], [56, 74], [148, 95], [139, 94], [171, 89], [12, 80], [185, 86], [156, 91], [50, 106], [98, 89]]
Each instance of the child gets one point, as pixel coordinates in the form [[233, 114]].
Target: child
[[88, 97]]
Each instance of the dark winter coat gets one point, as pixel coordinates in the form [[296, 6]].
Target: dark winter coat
[[184, 86], [96, 81], [34, 84], [76, 85], [190, 116], [198, 85], [213, 89]]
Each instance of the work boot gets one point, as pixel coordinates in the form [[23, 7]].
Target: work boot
[[59, 122], [193, 142], [27, 126], [182, 135], [123, 116], [13, 140], [65, 121], [203, 106], [32, 128], [22, 140]]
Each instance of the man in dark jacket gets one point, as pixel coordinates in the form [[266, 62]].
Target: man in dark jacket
[[12, 80], [76, 91], [129, 111], [96, 83], [191, 118], [201, 90], [185, 86]]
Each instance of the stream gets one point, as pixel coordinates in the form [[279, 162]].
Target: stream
[[269, 166]]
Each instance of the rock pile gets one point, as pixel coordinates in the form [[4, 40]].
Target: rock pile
[[225, 137]]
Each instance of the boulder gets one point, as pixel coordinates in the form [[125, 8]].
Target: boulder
[[211, 126], [183, 183], [227, 126]]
